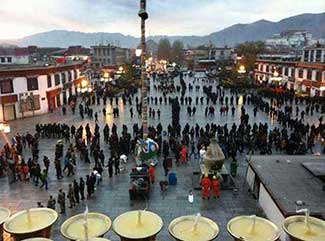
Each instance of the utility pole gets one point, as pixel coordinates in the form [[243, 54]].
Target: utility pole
[[144, 16]]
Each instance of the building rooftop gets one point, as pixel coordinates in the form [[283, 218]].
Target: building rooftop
[[287, 181], [38, 65]]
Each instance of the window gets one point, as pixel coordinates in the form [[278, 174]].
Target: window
[[301, 73], [286, 71], [267, 68], [9, 59], [312, 56], [318, 55], [309, 74], [75, 74], [63, 77], [6, 86], [318, 76], [2, 59], [49, 81], [32, 84], [57, 79], [69, 76], [292, 72], [306, 55]]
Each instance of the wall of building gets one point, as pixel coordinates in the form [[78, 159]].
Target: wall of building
[[21, 92], [306, 75], [4, 60], [271, 210]]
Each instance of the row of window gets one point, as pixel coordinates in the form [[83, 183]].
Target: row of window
[[6, 85], [318, 76], [58, 80], [313, 58], [3, 59]]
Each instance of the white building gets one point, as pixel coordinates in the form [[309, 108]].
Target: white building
[[220, 54], [291, 38], [305, 74], [33, 90], [14, 56], [108, 55]]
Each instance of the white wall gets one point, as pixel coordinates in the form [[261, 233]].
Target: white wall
[[271, 210], [250, 178], [20, 87]]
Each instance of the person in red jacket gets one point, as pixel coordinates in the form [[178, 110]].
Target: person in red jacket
[[184, 155], [152, 173], [215, 187], [206, 185]]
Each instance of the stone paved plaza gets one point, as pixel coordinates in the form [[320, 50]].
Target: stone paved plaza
[[112, 197]]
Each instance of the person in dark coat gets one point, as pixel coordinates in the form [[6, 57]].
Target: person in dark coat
[[61, 200], [110, 167], [88, 184], [82, 188], [76, 190], [51, 202], [70, 196]]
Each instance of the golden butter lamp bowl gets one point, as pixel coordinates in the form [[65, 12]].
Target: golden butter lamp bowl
[[4, 215], [34, 222], [137, 225], [317, 228], [95, 239], [240, 228], [98, 225], [207, 230], [37, 239]]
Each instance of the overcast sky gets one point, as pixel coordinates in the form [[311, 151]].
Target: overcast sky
[[19, 18]]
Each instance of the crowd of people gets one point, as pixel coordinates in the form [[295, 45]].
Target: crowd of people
[[292, 135]]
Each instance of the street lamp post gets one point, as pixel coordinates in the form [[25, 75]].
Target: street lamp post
[[144, 16]]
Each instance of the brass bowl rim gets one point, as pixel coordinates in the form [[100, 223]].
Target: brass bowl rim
[[37, 239], [275, 227], [67, 222], [299, 217], [126, 213], [181, 218], [48, 210], [8, 215]]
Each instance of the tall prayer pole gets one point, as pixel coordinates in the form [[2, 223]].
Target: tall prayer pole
[[144, 16]]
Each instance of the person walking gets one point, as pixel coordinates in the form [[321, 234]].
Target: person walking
[[76, 190], [58, 169], [152, 173], [110, 167], [70, 196], [51, 202], [117, 165], [61, 201], [206, 185], [215, 184], [82, 188], [165, 166], [184, 155], [44, 179]]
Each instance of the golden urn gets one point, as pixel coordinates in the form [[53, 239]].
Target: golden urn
[[31, 223], [298, 228], [97, 226], [4, 215], [137, 225], [252, 228], [193, 228]]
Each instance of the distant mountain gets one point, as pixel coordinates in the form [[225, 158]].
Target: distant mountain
[[238, 33]]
